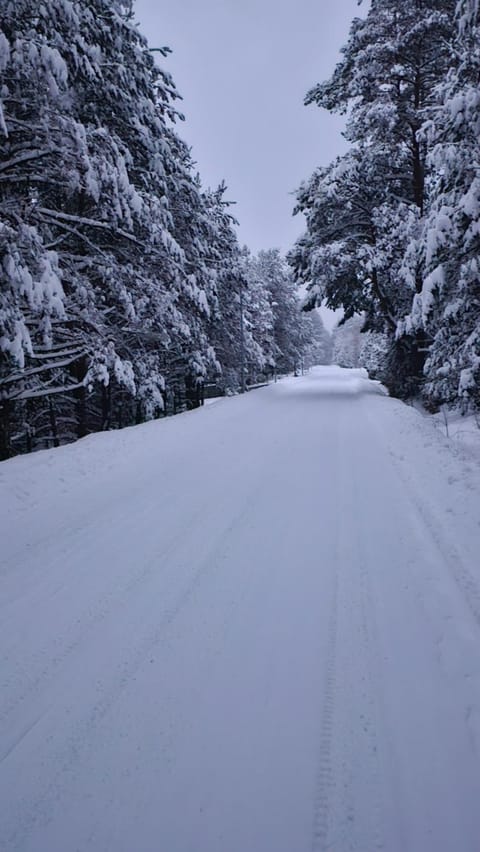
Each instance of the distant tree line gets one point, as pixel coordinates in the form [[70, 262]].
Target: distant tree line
[[393, 226], [123, 286]]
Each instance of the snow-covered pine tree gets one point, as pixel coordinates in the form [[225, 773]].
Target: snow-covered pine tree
[[320, 350], [98, 293], [226, 260], [374, 348], [194, 228], [333, 259], [33, 130], [259, 307], [291, 335], [347, 341], [364, 211], [259, 317], [448, 306]]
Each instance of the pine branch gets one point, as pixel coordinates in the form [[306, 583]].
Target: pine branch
[[27, 157], [90, 223], [34, 371], [36, 394]]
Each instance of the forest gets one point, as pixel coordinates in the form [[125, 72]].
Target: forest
[[393, 225], [125, 292]]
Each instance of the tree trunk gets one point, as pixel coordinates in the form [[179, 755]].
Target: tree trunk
[[80, 395], [53, 423], [106, 406], [5, 427]]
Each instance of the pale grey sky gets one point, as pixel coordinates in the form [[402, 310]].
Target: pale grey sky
[[243, 68]]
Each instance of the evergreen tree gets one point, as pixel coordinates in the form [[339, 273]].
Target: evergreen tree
[[364, 211], [448, 306], [291, 335], [107, 287], [373, 354], [320, 350], [347, 342], [225, 327]]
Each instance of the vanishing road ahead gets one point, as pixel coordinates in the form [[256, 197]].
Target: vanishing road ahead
[[251, 628]]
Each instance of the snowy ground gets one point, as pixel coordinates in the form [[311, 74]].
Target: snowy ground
[[463, 430], [252, 628]]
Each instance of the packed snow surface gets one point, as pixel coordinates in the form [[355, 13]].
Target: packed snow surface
[[251, 628]]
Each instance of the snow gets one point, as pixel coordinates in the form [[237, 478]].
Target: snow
[[462, 430], [249, 627], [4, 51], [3, 126], [432, 285]]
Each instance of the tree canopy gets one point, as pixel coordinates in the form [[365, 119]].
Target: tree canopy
[[392, 225]]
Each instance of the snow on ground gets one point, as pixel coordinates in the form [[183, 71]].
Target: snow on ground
[[251, 627], [462, 429]]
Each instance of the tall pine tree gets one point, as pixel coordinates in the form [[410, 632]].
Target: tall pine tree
[[364, 210], [448, 306]]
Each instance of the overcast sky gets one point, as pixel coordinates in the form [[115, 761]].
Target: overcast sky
[[243, 68]]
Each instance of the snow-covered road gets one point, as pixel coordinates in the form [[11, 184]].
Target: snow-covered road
[[252, 628]]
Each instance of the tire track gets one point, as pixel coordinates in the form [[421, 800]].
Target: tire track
[[325, 771], [47, 661], [349, 804], [80, 740]]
